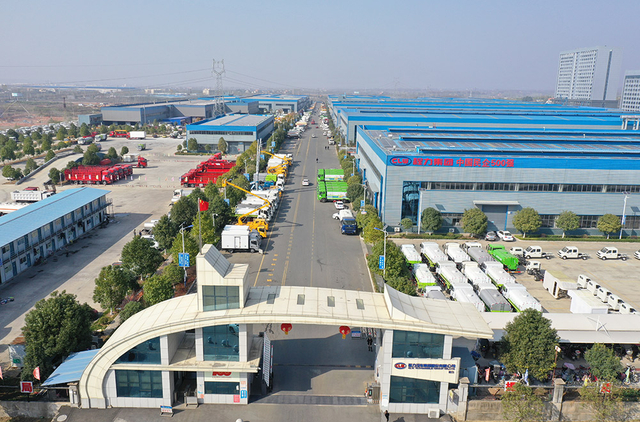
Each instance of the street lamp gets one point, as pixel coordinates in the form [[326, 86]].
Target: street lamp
[[624, 209], [182, 231], [384, 230]]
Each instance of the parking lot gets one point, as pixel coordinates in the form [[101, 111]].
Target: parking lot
[[620, 277]]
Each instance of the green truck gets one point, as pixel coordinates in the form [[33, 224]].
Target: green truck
[[330, 175], [503, 256], [332, 191]]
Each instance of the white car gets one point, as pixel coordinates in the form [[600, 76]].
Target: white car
[[313, 136], [336, 216], [339, 205], [505, 236], [305, 182]]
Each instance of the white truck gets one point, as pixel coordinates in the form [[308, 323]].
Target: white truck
[[571, 252], [520, 298], [130, 158], [450, 275], [475, 275], [433, 253], [497, 274], [137, 134], [240, 238], [456, 253], [342, 214], [30, 195], [611, 252], [558, 286], [530, 252], [179, 193], [493, 300], [411, 254], [465, 293], [583, 302], [479, 255], [424, 278]]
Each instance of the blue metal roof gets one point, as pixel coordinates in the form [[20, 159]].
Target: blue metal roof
[[25, 220], [71, 369]]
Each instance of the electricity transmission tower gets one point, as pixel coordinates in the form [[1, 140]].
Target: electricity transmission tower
[[218, 70]]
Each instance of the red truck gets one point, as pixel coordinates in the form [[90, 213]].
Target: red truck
[[119, 133], [205, 172], [142, 162], [94, 175]]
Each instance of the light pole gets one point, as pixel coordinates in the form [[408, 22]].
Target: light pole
[[384, 230], [624, 209], [182, 232]]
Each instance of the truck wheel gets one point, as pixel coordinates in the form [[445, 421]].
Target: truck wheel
[[323, 200], [548, 256], [584, 258], [624, 258], [604, 258], [564, 257]]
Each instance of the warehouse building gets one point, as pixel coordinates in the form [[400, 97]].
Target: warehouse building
[[238, 130], [408, 169], [148, 113], [37, 231]]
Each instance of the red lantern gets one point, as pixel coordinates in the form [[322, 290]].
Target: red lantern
[[286, 327], [344, 330]]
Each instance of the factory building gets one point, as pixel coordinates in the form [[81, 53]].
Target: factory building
[[35, 232], [238, 130], [631, 92], [500, 172]]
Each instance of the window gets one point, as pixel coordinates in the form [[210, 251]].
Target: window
[[409, 390], [451, 219], [548, 220], [589, 221], [221, 342], [495, 186], [539, 187], [409, 344], [582, 188], [221, 387], [451, 186], [215, 298], [147, 352], [139, 384], [623, 188]]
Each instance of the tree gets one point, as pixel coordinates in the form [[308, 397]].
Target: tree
[[71, 165], [363, 219], [397, 274], [140, 257], [183, 212], [164, 232], [603, 406], [77, 149], [90, 158], [174, 274], [223, 213], [603, 362], [179, 147], [356, 179], [370, 232], [54, 175], [84, 130], [7, 153], [157, 288], [529, 343], [520, 404], [73, 130], [61, 133], [527, 220], [235, 196], [190, 247], [27, 147], [431, 220], [55, 328], [407, 224], [112, 286], [129, 310], [30, 165], [124, 151], [46, 143], [192, 144], [608, 224], [567, 221], [474, 221], [209, 235], [211, 191], [354, 192], [50, 156], [112, 153], [8, 172]]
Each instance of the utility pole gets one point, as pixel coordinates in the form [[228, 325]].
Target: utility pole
[[624, 209], [218, 70]]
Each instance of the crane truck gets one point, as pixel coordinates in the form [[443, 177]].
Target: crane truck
[[258, 224]]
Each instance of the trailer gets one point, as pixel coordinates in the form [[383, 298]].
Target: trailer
[[424, 277], [479, 255], [30, 195], [137, 134], [497, 274], [410, 253], [466, 294], [93, 175], [332, 191], [557, 285], [456, 253], [433, 254], [583, 302], [520, 298], [240, 238], [493, 300], [476, 276], [450, 275]]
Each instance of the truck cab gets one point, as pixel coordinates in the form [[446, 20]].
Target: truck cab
[[571, 252], [348, 226], [517, 251], [610, 252]]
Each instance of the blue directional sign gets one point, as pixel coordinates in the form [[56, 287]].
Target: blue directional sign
[[381, 262], [362, 203], [243, 394], [183, 260]]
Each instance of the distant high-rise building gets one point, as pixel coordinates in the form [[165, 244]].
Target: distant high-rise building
[[589, 76], [631, 91]]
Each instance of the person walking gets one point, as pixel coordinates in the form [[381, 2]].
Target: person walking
[[370, 343], [386, 415]]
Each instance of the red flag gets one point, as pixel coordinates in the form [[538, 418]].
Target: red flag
[[36, 373], [203, 205]]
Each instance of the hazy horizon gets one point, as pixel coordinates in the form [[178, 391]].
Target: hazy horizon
[[333, 45]]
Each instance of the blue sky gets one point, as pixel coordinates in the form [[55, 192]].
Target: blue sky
[[348, 44]]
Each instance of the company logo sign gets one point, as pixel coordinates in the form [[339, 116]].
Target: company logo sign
[[400, 365], [221, 374], [427, 366], [400, 161]]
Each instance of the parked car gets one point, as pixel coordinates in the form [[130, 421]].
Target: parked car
[[505, 236], [305, 182], [491, 236], [339, 205]]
